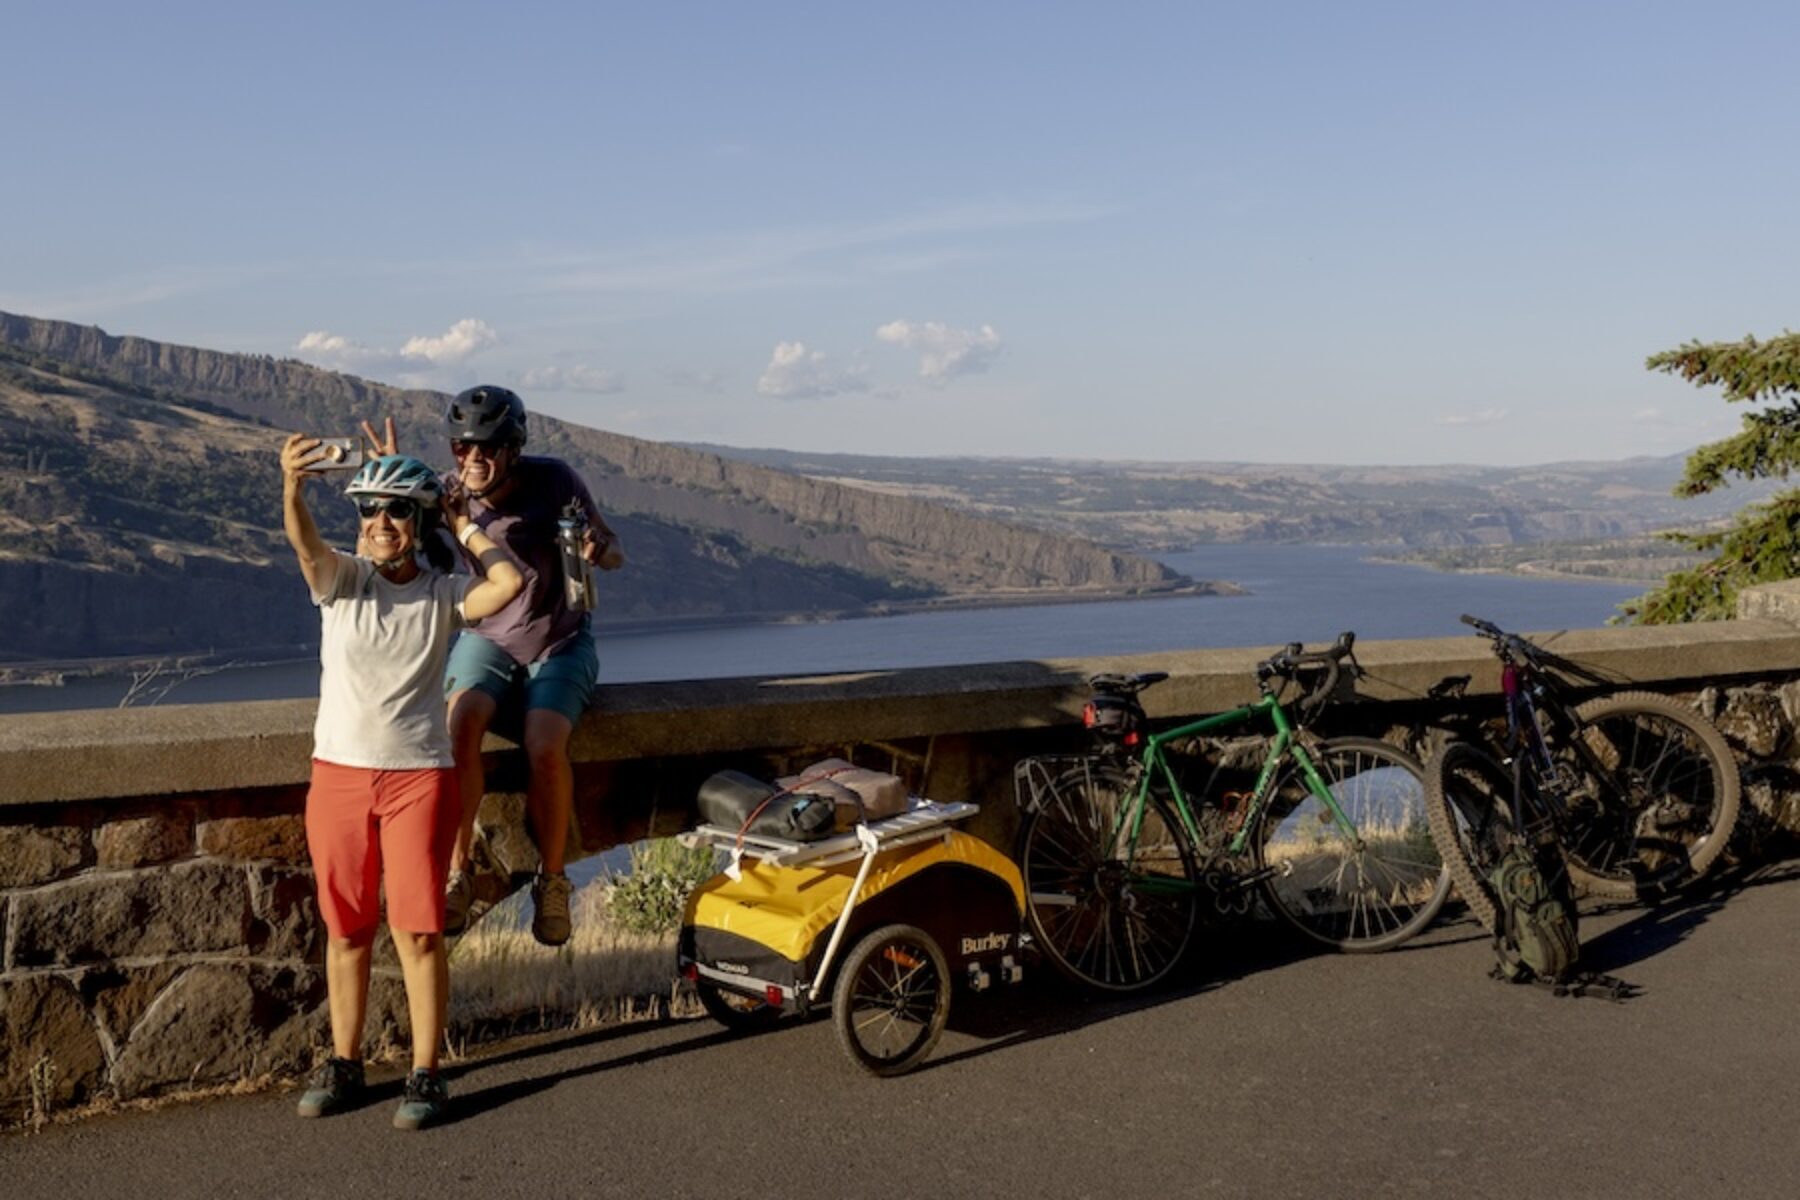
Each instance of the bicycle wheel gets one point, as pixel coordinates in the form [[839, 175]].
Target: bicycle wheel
[[1108, 911], [1655, 796], [892, 999], [1367, 888], [737, 1012], [1468, 800]]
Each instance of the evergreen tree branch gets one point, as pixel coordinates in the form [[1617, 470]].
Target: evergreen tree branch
[[1768, 448], [1747, 370], [1762, 545]]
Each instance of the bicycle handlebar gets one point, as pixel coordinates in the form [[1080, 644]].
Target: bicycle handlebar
[[1291, 661], [1508, 646]]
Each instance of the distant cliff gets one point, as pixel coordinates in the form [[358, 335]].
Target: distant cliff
[[923, 542], [139, 508], [1151, 506]]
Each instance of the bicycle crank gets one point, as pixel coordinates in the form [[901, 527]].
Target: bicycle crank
[[1233, 891]]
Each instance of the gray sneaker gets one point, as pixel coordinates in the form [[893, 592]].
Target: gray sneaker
[[459, 894], [335, 1086], [550, 908], [424, 1102]]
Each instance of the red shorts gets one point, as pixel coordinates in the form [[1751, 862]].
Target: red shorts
[[363, 823]]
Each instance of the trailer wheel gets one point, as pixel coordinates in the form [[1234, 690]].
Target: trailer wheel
[[892, 999], [734, 1010]]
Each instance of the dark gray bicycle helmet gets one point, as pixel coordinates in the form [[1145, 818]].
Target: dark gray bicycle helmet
[[486, 414]]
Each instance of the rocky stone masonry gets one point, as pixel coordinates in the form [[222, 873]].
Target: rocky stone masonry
[[151, 943], [149, 946]]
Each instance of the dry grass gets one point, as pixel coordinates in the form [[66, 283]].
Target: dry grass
[[502, 981], [35, 1121]]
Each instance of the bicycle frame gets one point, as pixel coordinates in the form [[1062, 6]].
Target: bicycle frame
[[1530, 750], [1525, 741], [1153, 763]]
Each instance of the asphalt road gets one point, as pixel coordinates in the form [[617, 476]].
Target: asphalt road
[[1266, 1074]]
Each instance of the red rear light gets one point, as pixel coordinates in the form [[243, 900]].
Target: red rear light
[[1088, 714], [772, 994], [1133, 738]]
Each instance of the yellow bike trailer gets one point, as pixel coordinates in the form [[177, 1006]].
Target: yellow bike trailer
[[881, 921]]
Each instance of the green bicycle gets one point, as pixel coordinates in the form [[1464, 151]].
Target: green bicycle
[[1116, 858]]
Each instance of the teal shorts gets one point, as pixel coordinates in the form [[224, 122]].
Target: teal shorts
[[563, 682]]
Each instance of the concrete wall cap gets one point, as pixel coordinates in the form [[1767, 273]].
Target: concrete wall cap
[[115, 753]]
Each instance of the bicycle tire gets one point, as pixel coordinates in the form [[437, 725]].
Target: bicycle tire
[[892, 999], [1108, 921], [1357, 894], [1681, 805], [1468, 798]]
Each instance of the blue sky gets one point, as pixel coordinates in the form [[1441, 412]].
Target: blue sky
[[1365, 233]]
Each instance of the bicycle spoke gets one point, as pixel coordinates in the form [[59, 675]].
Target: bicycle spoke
[[1354, 877], [1108, 909]]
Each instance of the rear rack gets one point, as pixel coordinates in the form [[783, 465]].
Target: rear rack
[[921, 822]]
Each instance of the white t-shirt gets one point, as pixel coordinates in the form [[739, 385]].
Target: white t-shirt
[[382, 648]]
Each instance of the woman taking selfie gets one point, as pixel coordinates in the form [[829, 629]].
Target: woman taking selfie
[[382, 806]]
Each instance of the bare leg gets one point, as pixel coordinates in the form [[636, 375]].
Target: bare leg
[[347, 991], [470, 713], [551, 794], [426, 968]]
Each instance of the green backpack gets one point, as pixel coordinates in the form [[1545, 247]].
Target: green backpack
[[1536, 938]]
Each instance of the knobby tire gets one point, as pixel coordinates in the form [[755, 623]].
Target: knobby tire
[[1680, 805], [1468, 799]]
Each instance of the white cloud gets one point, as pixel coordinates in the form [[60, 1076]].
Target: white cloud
[[944, 352], [420, 362], [1487, 416], [796, 373], [468, 336], [592, 380], [328, 344]]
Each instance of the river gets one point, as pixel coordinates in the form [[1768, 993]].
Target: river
[[1297, 593]]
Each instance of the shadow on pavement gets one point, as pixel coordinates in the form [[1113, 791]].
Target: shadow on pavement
[[473, 1104], [1046, 1006], [1050, 1006], [1668, 922]]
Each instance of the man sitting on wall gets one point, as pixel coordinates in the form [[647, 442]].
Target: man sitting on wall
[[535, 656]]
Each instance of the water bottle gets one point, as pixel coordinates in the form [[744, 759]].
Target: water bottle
[[578, 581]]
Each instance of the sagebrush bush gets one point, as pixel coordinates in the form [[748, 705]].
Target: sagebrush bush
[[663, 872]]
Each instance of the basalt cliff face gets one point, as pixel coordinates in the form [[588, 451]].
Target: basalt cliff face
[[139, 508]]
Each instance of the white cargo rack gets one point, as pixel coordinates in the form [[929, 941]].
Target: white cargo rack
[[922, 821]]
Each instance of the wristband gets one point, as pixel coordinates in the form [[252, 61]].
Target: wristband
[[468, 531]]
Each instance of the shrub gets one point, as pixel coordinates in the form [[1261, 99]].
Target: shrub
[[663, 872]]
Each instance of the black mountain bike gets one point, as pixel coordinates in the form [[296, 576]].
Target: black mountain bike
[[1639, 791]]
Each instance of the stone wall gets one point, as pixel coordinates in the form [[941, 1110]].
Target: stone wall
[[157, 923], [151, 944]]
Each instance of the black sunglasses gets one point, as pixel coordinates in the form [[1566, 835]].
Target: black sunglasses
[[398, 508], [462, 448]]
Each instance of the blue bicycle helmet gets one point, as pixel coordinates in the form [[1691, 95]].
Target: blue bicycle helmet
[[397, 475]]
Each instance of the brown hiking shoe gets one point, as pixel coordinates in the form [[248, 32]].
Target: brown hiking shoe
[[550, 908], [459, 894]]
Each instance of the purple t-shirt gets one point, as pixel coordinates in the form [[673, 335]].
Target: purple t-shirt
[[537, 622]]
